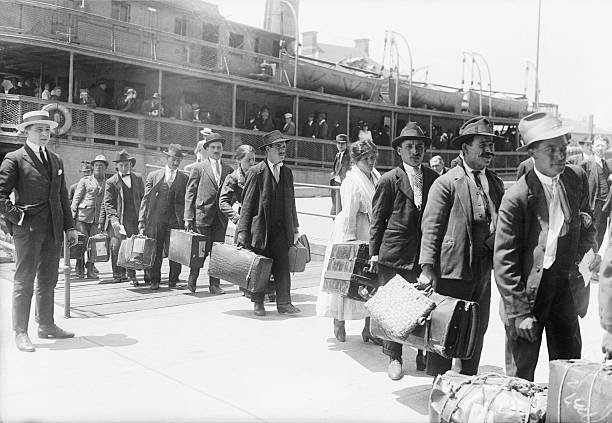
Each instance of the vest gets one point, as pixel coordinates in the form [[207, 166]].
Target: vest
[[602, 181], [166, 203], [277, 206], [480, 223], [130, 215]]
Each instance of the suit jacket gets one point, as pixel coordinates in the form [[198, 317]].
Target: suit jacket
[[576, 159], [150, 206], [38, 193], [113, 204], [322, 130], [256, 203], [309, 130], [87, 200], [524, 167], [395, 233], [202, 195], [590, 166], [344, 166], [456, 161], [522, 230], [232, 192], [288, 128], [447, 223]]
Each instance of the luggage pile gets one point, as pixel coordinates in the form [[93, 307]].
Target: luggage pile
[[348, 271]]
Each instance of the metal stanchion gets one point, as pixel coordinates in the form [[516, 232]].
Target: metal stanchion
[[66, 278]]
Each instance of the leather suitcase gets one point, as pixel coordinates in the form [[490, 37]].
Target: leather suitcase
[[299, 255], [187, 248], [450, 330], [78, 249], [240, 266], [488, 397], [98, 248], [136, 252], [579, 391], [348, 272]]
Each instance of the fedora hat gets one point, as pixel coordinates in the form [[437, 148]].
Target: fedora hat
[[412, 131], [476, 126], [213, 137], [343, 138], [100, 158], [540, 126], [124, 156], [273, 137], [85, 167], [36, 117], [174, 150]]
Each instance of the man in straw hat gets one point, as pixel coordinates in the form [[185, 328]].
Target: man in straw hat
[[202, 211], [395, 235], [342, 163], [543, 231], [268, 219], [161, 210], [87, 205], [119, 216], [37, 219], [458, 231]]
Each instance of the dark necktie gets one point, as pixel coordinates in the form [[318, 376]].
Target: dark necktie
[[43, 158], [482, 192]]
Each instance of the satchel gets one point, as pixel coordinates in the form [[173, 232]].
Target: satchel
[[78, 249], [240, 266], [299, 255], [98, 248], [136, 252], [399, 307], [348, 272]]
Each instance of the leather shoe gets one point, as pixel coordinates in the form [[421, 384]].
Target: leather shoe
[[23, 343], [191, 285], [172, 284], [154, 285], [288, 309], [394, 371], [53, 332], [91, 275], [216, 290], [259, 309], [421, 361]]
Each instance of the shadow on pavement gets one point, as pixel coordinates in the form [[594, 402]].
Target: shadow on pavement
[[368, 355], [415, 397], [89, 341], [308, 310]]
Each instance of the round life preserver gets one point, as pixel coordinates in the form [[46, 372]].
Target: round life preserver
[[61, 115]]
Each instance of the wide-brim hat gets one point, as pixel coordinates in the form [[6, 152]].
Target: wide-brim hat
[[213, 137], [124, 156], [540, 126], [476, 126], [273, 137], [342, 138], [36, 117], [174, 150], [100, 158], [412, 131]]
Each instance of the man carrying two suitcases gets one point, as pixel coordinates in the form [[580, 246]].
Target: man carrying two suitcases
[[268, 219], [161, 210]]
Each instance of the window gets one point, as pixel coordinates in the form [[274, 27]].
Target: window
[[120, 11], [236, 40], [180, 25], [210, 32]]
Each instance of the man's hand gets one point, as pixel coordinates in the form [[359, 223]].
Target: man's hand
[[241, 239], [595, 264], [606, 345], [429, 274], [527, 327], [296, 236], [189, 225], [72, 237], [141, 228], [423, 282], [374, 264]]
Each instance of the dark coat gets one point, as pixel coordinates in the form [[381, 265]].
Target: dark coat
[[322, 130], [202, 195], [521, 234], [149, 206], [524, 167], [340, 169], [232, 192], [255, 212], [446, 242], [38, 193], [309, 130], [590, 166], [395, 228], [112, 207]]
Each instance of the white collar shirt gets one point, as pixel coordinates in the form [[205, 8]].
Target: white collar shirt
[[275, 168], [555, 215], [482, 176], [216, 168], [126, 179], [170, 175], [36, 149]]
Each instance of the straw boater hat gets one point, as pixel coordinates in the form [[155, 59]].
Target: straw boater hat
[[213, 137], [412, 131], [538, 127], [342, 138], [273, 137], [476, 126], [36, 117], [206, 132], [124, 156], [100, 158], [174, 150]]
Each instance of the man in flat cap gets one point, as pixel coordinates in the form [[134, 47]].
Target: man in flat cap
[[458, 232], [119, 215], [268, 219], [543, 231], [395, 231], [202, 211], [161, 210], [342, 163], [37, 219]]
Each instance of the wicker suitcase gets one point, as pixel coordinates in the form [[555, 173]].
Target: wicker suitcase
[[136, 252], [450, 330], [348, 272], [98, 248], [579, 391], [240, 266], [299, 255], [488, 397], [187, 248]]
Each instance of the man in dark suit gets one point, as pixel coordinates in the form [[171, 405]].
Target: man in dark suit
[[342, 163], [598, 172], [268, 219], [322, 127], [162, 209], [586, 145], [119, 215], [202, 211], [524, 167], [400, 197], [309, 128], [543, 231], [37, 220], [458, 231]]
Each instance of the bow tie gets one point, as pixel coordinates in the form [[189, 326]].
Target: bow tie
[[125, 175]]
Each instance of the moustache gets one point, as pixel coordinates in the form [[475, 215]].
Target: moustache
[[487, 155]]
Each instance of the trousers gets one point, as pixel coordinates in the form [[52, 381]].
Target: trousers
[[277, 250], [162, 243], [87, 229], [215, 233]]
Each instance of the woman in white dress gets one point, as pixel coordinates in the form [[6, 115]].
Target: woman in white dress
[[351, 224]]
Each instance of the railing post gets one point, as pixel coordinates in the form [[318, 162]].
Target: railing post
[[348, 121], [71, 77]]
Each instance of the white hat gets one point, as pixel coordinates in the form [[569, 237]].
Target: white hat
[[540, 126], [206, 132], [36, 117], [288, 115]]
